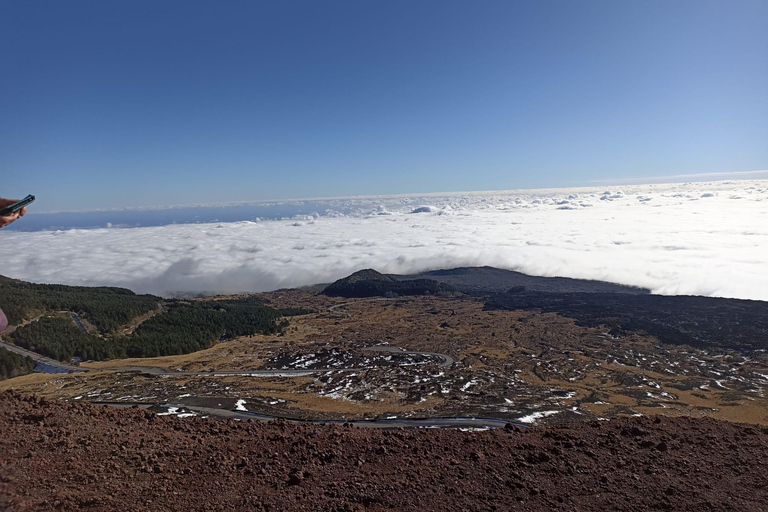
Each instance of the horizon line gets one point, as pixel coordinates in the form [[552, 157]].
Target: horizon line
[[592, 183]]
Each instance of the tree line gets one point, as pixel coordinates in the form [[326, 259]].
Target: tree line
[[14, 365], [184, 327], [105, 307]]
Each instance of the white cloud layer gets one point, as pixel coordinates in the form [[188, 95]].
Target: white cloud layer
[[697, 238]]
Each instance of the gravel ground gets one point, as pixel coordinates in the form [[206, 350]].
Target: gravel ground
[[59, 455]]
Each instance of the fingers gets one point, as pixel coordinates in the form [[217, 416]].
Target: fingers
[[8, 219]]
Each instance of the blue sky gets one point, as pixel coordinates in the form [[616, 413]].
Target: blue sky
[[112, 104]]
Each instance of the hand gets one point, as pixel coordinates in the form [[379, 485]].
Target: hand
[[8, 219]]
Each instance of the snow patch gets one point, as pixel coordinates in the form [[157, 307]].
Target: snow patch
[[533, 417]]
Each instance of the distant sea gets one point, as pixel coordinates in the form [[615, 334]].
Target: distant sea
[[299, 209], [704, 238], [176, 215]]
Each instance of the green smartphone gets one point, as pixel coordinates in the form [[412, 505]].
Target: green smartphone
[[18, 205]]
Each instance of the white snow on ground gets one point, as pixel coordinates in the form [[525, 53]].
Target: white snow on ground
[[533, 417], [338, 392], [265, 373], [696, 238], [175, 411], [240, 405]]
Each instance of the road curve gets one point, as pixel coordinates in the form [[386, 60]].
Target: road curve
[[390, 423], [41, 358], [156, 371], [447, 360], [332, 309], [76, 319]]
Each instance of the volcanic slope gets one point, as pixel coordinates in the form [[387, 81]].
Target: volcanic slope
[[435, 356], [72, 456], [494, 280], [516, 366], [370, 283]]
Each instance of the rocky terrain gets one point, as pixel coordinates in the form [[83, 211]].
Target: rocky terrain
[[702, 322], [623, 392], [370, 283], [482, 280], [57, 455], [521, 366]]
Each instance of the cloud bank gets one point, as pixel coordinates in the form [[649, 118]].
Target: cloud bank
[[697, 238]]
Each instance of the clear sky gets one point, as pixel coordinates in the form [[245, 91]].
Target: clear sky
[[127, 103]]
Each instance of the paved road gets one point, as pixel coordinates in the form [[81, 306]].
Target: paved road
[[47, 360], [447, 360], [79, 322], [152, 370], [333, 309], [42, 359], [471, 423]]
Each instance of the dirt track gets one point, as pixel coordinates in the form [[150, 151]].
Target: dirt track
[[59, 455]]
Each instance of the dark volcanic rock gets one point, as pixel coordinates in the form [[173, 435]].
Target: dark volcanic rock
[[496, 280], [71, 456], [370, 283], [701, 322]]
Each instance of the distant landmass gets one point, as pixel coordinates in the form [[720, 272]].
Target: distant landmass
[[491, 279], [470, 280], [700, 322], [697, 321], [370, 283]]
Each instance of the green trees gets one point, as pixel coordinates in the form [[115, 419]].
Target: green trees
[[13, 365], [59, 338], [105, 307], [183, 327], [197, 325]]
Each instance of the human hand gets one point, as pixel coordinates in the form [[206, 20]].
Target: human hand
[[8, 219]]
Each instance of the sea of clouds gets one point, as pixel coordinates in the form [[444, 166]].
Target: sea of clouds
[[695, 238]]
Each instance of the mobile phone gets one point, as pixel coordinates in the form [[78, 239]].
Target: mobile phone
[[13, 208]]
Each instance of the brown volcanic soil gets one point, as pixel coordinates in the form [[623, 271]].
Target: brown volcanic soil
[[59, 455]]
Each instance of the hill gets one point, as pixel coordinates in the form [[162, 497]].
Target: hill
[[494, 280], [106, 308], [13, 365], [702, 322], [62, 322], [370, 283], [59, 455]]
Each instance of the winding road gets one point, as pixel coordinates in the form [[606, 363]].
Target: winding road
[[41, 358], [445, 361], [388, 423]]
